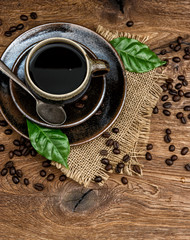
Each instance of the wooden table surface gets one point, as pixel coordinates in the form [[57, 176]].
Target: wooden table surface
[[155, 206]]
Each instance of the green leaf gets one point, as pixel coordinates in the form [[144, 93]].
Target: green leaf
[[53, 144], [136, 56]]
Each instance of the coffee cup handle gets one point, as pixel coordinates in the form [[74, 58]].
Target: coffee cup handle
[[99, 67]]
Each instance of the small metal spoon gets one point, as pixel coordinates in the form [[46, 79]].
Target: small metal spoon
[[49, 113]]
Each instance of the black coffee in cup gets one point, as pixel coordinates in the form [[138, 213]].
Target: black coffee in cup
[[57, 68]]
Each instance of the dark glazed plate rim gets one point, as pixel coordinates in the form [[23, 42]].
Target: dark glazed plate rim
[[115, 94]]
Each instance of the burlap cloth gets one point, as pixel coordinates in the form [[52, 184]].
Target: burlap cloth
[[143, 91]]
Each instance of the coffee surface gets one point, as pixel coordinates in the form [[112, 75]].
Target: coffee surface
[[57, 68]]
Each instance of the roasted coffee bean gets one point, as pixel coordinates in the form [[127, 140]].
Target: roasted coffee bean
[[17, 152], [109, 142], [169, 162], [33, 15], [108, 167], [1, 22], [163, 52], [176, 59], [21, 147], [28, 144], [50, 177], [22, 140], [179, 39], [164, 98], [115, 130], [62, 178], [174, 157], [105, 161], [181, 93], [26, 181], [106, 135], [9, 164], [148, 156], [124, 180], [8, 33], [136, 169], [176, 98], [12, 171], [183, 120], [177, 48], [79, 105], [167, 138], [117, 170], [184, 150], [120, 165], [167, 104], [46, 163], [104, 152], [149, 146], [186, 49], [23, 17], [169, 80], [169, 86], [2, 147], [167, 62], [25, 151], [179, 115], [8, 131], [164, 87], [126, 158], [129, 23], [171, 46], [188, 116], [187, 167], [84, 98], [19, 173], [3, 123], [181, 77], [98, 113], [173, 92], [168, 131], [171, 148], [15, 179], [155, 110], [20, 26], [33, 152], [115, 144], [186, 57], [185, 83], [187, 94], [166, 113], [12, 29], [39, 186], [178, 86], [98, 179], [187, 108], [4, 171], [42, 173], [16, 142], [116, 151], [11, 154]]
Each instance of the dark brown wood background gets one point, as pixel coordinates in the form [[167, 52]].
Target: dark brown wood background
[[156, 206]]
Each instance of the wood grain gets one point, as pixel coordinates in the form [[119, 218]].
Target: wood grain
[[155, 206]]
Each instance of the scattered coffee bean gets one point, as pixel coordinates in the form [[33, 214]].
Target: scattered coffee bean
[[2, 147], [11, 154], [167, 104], [129, 23], [104, 152], [117, 170], [22, 140], [8, 131], [115, 130], [164, 98], [105, 161], [39, 186], [170, 86], [166, 112], [124, 180], [178, 86], [126, 158], [149, 146], [8, 33], [1, 22], [50, 177], [20, 26], [46, 163], [109, 142], [171, 148], [168, 131], [9, 164], [167, 138], [136, 169], [176, 59], [116, 151], [106, 135], [184, 150], [120, 165], [171, 46], [186, 49], [19, 173], [3, 123], [183, 120], [179, 39], [187, 167], [181, 93], [28, 144], [108, 167], [33, 152], [12, 29], [186, 57], [23, 17], [17, 152], [21, 147], [187, 94], [62, 178], [25, 151], [98, 179], [33, 15], [187, 108], [148, 156], [185, 83], [164, 87], [12, 171], [163, 52], [115, 144], [181, 77], [42, 173], [15, 179], [79, 105], [174, 157], [169, 80], [179, 115], [177, 48], [169, 162], [155, 110], [4, 171], [84, 98], [176, 98], [167, 62], [173, 92], [26, 181], [16, 142]]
